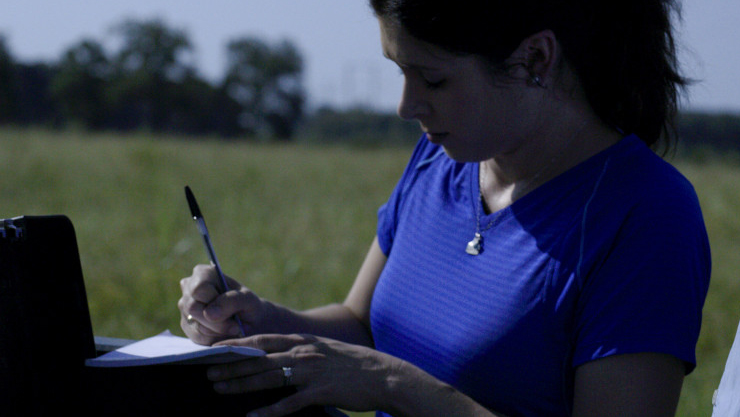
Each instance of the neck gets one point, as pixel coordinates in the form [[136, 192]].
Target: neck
[[509, 177]]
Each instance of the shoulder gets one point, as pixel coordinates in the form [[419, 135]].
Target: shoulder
[[425, 153], [638, 181], [643, 211], [643, 259], [430, 169]]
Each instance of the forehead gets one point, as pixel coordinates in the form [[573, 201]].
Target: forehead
[[407, 51]]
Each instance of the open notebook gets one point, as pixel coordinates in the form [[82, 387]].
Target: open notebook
[[166, 348]]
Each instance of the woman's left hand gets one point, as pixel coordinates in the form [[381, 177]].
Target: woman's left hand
[[324, 372]]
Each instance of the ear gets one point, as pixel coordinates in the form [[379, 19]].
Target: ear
[[538, 55]]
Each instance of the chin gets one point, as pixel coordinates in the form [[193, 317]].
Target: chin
[[458, 156]]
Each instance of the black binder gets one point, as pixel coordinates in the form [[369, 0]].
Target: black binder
[[45, 330], [46, 334]]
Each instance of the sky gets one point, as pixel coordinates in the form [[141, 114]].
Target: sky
[[338, 40]]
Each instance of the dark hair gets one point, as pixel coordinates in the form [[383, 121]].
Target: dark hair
[[623, 52]]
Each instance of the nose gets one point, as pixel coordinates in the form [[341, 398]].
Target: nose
[[412, 105]]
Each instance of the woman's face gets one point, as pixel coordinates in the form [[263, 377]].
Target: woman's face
[[456, 100]]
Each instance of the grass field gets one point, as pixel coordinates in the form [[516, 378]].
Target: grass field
[[291, 221]]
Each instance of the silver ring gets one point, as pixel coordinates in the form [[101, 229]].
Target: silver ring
[[190, 319], [287, 376]]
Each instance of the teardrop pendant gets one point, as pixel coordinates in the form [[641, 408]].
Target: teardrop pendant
[[475, 246]]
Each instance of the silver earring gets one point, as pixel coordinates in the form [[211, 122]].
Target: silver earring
[[537, 80]]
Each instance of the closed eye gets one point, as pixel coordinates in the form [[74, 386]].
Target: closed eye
[[433, 85], [430, 84]]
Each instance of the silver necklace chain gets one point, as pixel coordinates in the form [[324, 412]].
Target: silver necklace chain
[[475, 245]]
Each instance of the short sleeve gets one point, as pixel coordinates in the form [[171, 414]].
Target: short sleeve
[[389, 213], [647, 290]]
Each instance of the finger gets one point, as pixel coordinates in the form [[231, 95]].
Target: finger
[[270, 379], [272, 343], [199, 328], [232, 283], [208, 277], [203, 285], [199, 333], [188, 313], [213, 332], [188, 305], [250, 367], [226, 305], [214, 312], [192, 311]]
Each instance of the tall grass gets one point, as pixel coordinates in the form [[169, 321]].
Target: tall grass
[[291, 221], [717, 182]]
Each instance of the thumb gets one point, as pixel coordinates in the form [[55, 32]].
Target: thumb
[[244, 303]]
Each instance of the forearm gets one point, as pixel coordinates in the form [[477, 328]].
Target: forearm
[[347, 322], [413, 392], [334, 321]]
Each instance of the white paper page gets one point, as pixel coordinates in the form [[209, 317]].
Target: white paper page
[[162, 343], [168, 348]]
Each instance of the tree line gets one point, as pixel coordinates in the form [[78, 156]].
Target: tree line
[[150, 83], [709, 131]]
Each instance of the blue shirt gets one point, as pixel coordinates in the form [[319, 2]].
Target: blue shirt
[[609, 257]]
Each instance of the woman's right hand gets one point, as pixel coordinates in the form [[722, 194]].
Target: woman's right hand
[[207, 315]]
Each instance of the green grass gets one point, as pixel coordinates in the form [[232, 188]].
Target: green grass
[[717, 181], [291, 221]]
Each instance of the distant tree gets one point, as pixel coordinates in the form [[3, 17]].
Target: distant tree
[[79, 86], [361, 126], [151, 83], [198, 108], [34, 105], [267, 82], [226, 112], [24, 90], [147, 71], [8, 95], [718, 131]]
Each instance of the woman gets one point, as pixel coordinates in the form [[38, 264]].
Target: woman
[[536, 257]]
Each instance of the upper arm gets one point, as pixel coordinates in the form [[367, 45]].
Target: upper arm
[[359, 297], [635, 384]]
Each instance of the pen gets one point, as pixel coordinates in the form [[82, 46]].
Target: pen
[[198, 217]]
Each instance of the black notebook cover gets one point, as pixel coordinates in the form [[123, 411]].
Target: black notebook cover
[[46, 335], [45, 330]]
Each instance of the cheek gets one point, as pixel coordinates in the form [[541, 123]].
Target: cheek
[[485, 115], [494, 129]]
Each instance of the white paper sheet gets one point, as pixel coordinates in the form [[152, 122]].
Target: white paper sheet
[[166, 348]]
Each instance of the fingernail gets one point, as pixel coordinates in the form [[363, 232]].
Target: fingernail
[[220, 386]]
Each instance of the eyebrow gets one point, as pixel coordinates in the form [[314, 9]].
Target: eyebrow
[[409, 65]]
